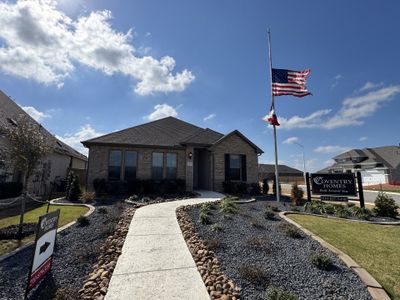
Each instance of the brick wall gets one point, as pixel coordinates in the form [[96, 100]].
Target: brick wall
[[233, 145], [98, 162]]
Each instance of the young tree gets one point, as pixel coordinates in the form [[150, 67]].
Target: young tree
[[27, 146]]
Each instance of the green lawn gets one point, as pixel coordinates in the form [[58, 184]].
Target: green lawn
[[67, 215], [375, 247]]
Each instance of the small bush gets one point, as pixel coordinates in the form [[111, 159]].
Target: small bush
[[214, 244], [205, 208], [227, 206], [216, 228], [321, 261], [102, 210], [253, 273], [255, 189], [269, 214], [10, 189], [73, 188], [361, 213], [290, 230], [329, 209], [83, 221], [257, 224], [233, 187], [265, 187], [204, 218], [296, 195], [274, 187], [385, 206], [341, 211], [275, 293], [99, 185], [258, 242], [88, 196], [350, 204]]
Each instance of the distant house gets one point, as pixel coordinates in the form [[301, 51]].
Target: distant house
[[173, 149], [377, 165], [286, 174], [54, 167]]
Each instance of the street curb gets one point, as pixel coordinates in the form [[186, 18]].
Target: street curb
[[374, 288], [88, 213]]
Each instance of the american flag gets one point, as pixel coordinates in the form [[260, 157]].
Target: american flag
[[288, 82]]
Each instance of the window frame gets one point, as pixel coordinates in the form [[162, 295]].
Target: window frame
[[240, 167], [176, 165], [152, 166], [136, 163], [120, 164]]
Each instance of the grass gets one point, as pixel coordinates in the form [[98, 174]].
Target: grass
[[67, 215], [374, 247]]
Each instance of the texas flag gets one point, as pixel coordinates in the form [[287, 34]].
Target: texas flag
[[271, 118]]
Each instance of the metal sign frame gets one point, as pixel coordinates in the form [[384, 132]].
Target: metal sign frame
[[42, 257]]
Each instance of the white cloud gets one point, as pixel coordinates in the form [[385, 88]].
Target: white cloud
[[363, 138], [310, 121], [35, 114], [370, 85], [42, 43], [336, 80], [291, 140], [209, 117], [161, 111], [353, 111], [74, 140], [329, 162], [331, 149]]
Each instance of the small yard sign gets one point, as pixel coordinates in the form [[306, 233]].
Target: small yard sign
[[343, 184], [44, 245]]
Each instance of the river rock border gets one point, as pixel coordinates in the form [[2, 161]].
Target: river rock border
[[218, 285], [96, 284], [374, 287]]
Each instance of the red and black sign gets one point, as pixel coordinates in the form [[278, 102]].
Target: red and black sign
[[44, 245]]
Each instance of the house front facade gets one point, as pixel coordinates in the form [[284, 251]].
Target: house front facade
[[169, 149], [378, 165]]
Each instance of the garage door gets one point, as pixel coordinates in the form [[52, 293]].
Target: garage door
[[370, 177]]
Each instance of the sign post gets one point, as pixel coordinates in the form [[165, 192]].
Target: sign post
[[360, 190], [44, 246]]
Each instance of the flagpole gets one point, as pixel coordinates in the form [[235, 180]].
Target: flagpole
[[273, 107]]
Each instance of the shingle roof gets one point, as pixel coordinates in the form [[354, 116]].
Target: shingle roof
[[11, 112], [282, 169], [167, 132]]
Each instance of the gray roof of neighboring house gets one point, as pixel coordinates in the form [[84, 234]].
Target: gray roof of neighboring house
[[282, 169], [389, 156], [166, 132], [10, 112]]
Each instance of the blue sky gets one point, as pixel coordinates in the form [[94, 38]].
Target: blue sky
[[84, 68]]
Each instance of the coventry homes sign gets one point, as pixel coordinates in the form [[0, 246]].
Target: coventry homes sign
[[343, 184]]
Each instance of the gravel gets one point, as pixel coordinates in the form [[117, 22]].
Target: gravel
[[76, 250], [285, 260]]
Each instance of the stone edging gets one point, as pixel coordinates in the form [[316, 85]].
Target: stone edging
[[374, 288], [218, 285], [343, 219], [88, 213]]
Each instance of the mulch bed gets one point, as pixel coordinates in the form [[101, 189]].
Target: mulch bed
[[249, 242], [77, 249]]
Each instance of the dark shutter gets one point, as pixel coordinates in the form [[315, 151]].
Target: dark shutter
[[244, 168], [227, 167]]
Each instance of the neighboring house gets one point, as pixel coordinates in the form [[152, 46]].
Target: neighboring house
[[173, 149], [286, 174], [377, 165], [54, 167]]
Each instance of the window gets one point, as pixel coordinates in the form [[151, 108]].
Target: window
[[114, 165], [157, 165], [130, 165], [235, 167], [171, 165]]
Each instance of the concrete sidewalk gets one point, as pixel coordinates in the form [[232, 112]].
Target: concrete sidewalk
[[155, 262]]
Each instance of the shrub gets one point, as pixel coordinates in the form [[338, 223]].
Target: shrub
[[255, 189], [269, 214], [102, 210], [341, 211], [204, 218], [227, 206], [10, 189], [88, 196], [70, 177], [253, 273], [329, 209], [258, 242], [385, 206], [350, 204], [361, 212], [233, 187], [265, 187], [296, 195], [321, 261], [274, 187], [73, 189], [205, 208], [214, 244], [275, 293], [290, 230], [257, 224], [83, 221], [216, 228]]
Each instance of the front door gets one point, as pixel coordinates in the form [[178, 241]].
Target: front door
[[201, 169]]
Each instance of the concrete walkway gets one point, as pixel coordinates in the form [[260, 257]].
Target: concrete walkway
[[155, 262]]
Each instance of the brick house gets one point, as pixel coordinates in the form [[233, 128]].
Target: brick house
[[173, 149]]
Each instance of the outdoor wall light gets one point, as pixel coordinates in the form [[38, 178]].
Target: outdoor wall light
[[190, 155]]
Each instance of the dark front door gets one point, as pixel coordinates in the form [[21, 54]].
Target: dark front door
[[201, 169]]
